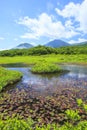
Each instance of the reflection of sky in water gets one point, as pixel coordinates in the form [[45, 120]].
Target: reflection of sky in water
[[79, 75], [76, 77]]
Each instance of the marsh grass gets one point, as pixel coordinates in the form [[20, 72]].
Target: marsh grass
[[8, 77], [45, 67], [29, 124], [52, 58]]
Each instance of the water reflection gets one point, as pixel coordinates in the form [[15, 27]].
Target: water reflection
[[76, 77]]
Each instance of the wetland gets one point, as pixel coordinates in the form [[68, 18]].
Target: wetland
[[44, 97]]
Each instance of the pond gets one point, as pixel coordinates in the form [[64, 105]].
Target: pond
[[76, 77], [45, 97]]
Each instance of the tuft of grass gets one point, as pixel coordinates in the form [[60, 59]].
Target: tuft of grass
[[44, 67], [8, 77]]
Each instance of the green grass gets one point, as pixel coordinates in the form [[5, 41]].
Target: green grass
[[28, 124], [46, 68], [8, 77], [52, 58]]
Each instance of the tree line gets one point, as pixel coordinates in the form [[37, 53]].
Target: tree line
[[43, 50]]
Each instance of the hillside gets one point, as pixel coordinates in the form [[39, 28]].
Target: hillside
[[23, 46], [80, 44], [83, 43]]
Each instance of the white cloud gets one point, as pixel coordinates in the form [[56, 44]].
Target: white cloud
[[76, 11], [2, 38], [46, 26], [70, 10], [74, 23], [78, 41]]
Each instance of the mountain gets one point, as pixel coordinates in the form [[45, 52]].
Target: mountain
[[57, 43], [23, 46], [81, 44]]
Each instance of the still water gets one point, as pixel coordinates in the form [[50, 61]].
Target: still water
[[76, 77]]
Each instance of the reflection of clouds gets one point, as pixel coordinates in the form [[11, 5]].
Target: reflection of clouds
[[82, 75], [76, 69], [72, 74], [78, 75]]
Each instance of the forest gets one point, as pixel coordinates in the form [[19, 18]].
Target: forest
[[43, 50]]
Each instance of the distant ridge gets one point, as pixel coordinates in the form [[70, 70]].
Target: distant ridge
[[57, 43], [80, 44], [23, 46]]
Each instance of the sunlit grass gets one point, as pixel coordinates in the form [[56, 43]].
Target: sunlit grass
[[8, 77], [46, 68], [53, 58]]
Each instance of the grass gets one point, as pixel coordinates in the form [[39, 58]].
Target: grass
[[29, 124], [53, 58], [8, 77], [46, 68]]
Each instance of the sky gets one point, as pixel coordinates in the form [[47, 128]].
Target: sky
[[40, 21]]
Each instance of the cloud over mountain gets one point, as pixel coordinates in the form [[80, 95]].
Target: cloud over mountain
[[72, 23]]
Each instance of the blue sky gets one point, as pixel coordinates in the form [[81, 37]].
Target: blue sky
[[40, 21]]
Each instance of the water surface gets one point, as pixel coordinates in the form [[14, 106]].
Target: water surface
[[76, 77]]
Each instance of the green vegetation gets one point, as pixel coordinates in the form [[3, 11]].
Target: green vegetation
[[54, 114], [72, 116], [79, 102], [82, 105], [16, 124], [28, 124], [43, 50], [46, 68], [8, 77], [52, 58]]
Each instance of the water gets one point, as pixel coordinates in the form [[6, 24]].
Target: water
[[76, 77]]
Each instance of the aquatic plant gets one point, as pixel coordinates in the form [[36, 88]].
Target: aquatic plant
[[79, 102], [29, 124], [72, 115], [16, 124]]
